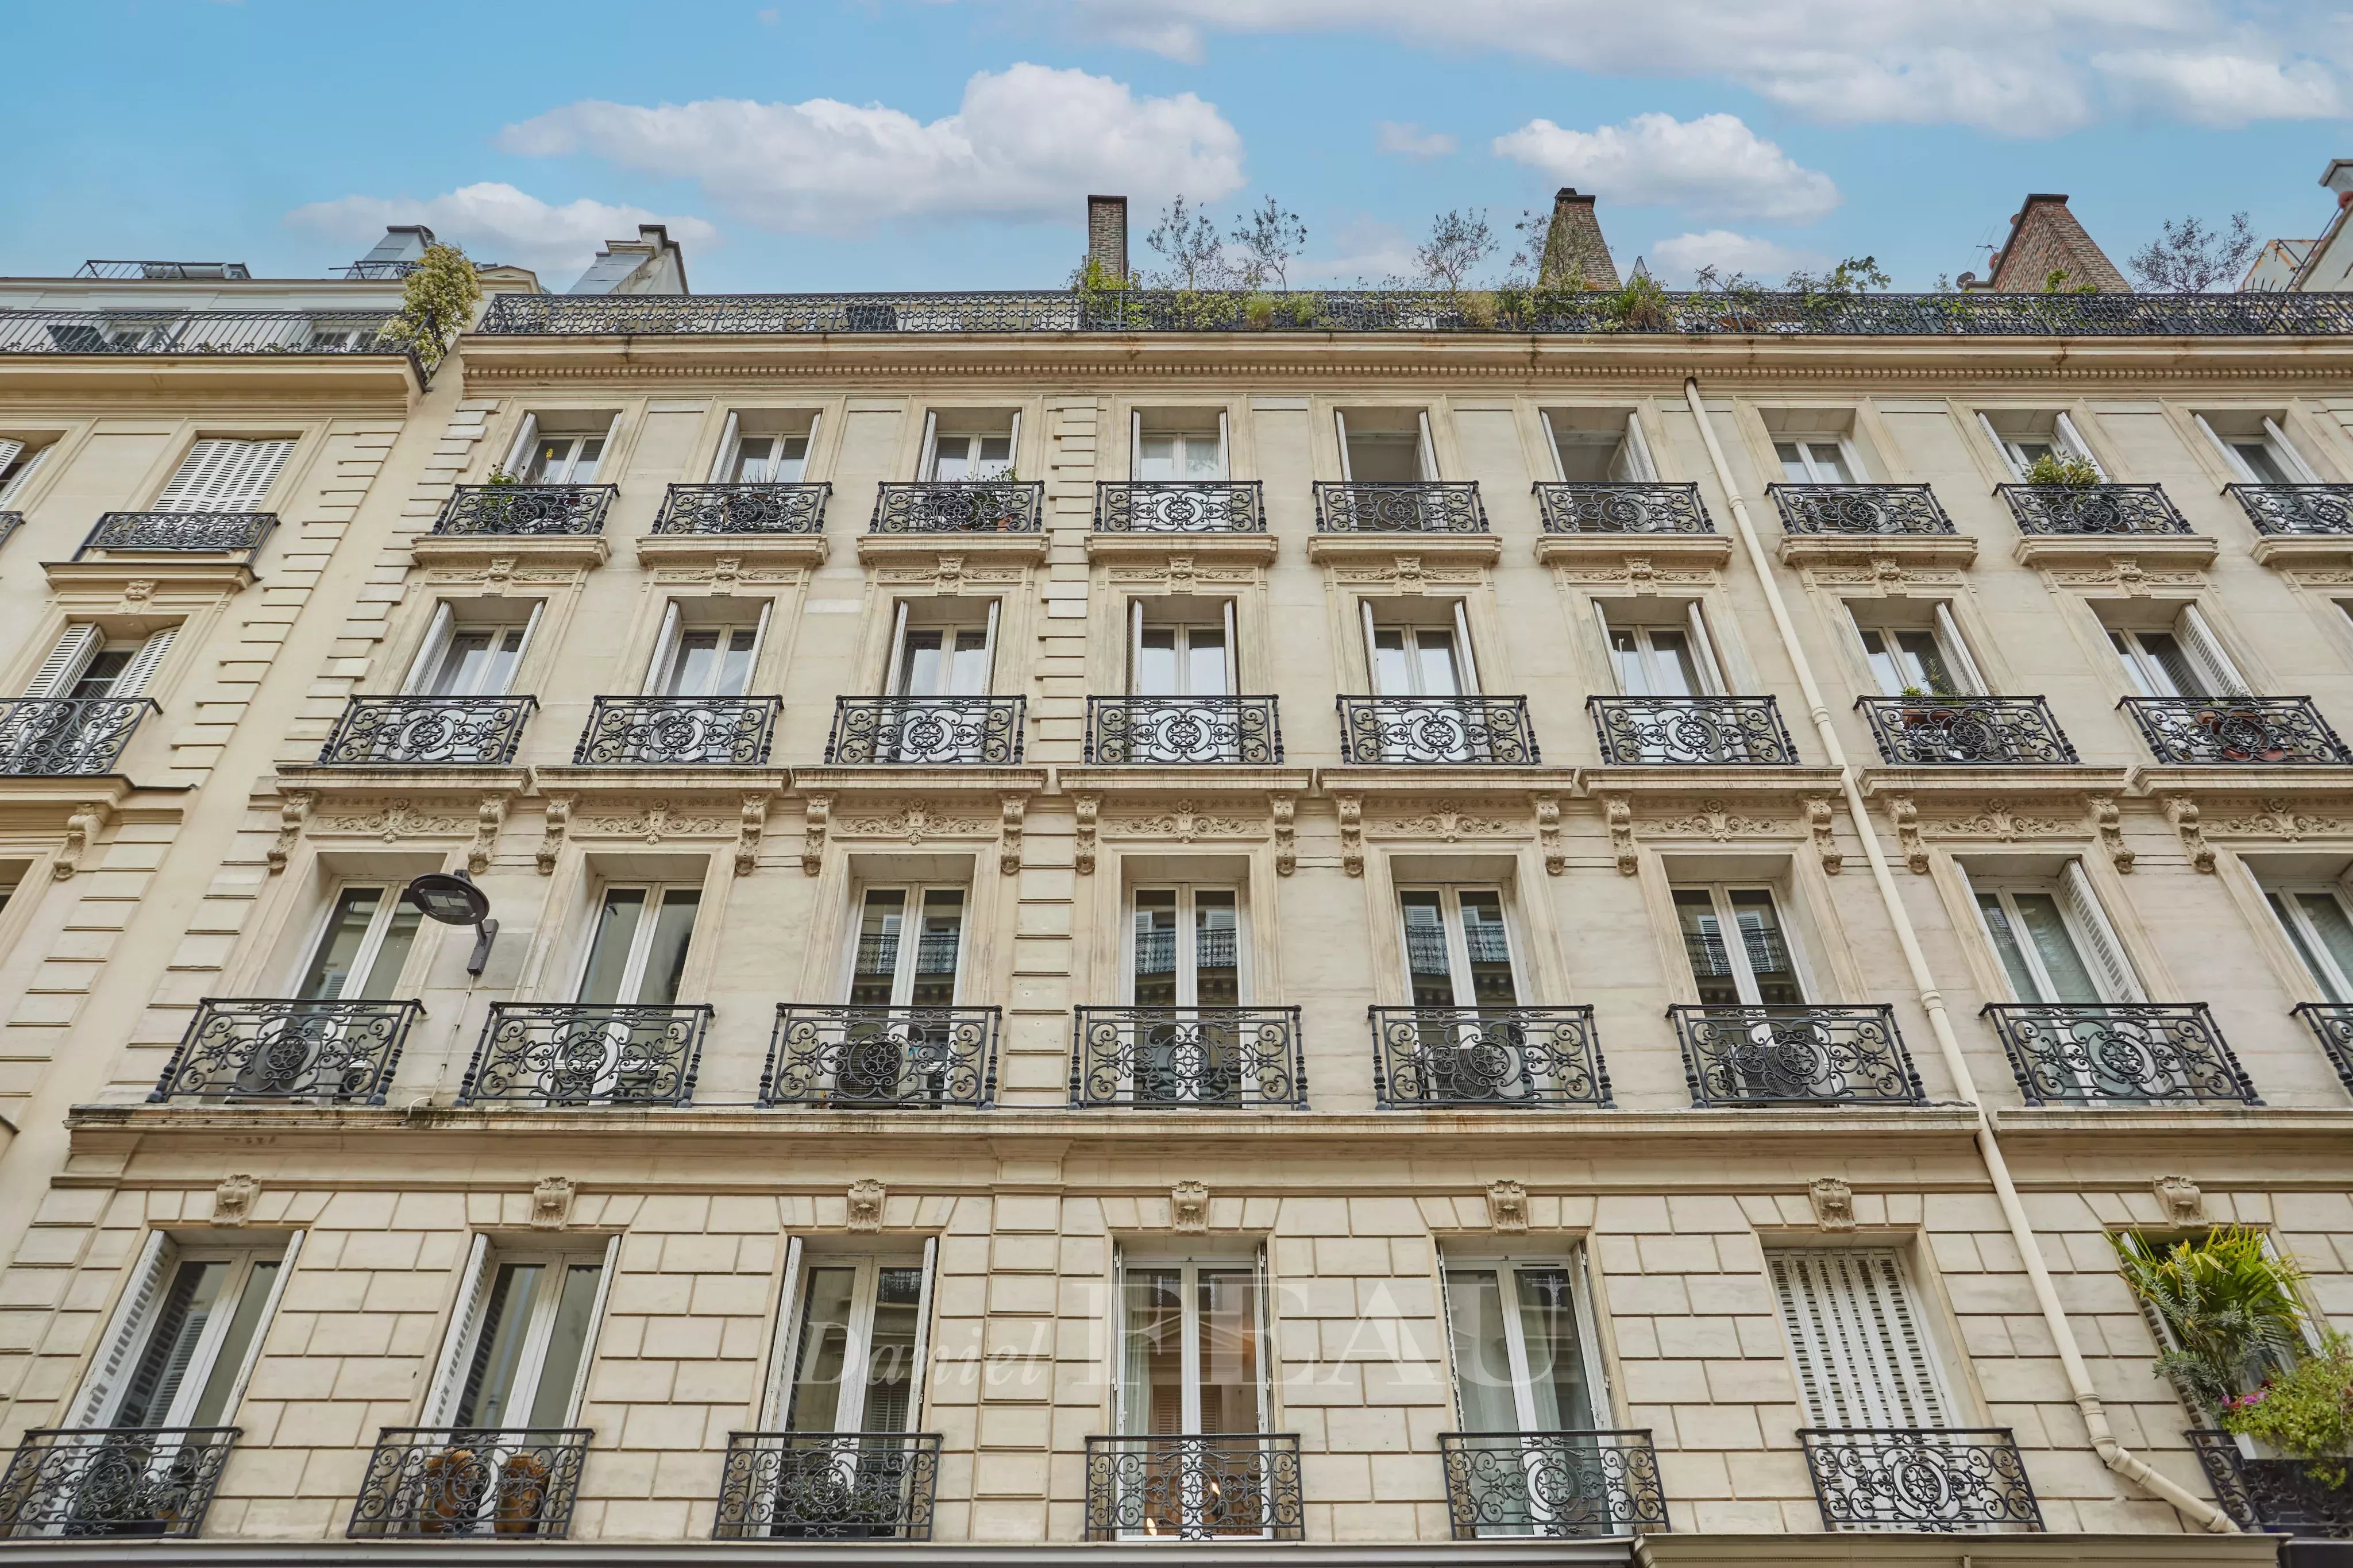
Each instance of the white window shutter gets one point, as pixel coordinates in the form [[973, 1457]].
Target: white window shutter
[[1372, 652], [523, 649], [1427, 449], [1957, 649], [254, 472], [2205, 650], [519, 455], [66, 661], [722, 466], [595, 1325], [197, 478], [2282, 447], [2230, 459], [1470, 662], [132, 682], [988, 651], [658, 669], [1013, 446], [1233, 655], [809, 446], [1711, 673], [1637, 450], [15, 482], [780, 1354], [9, 452], [1262, 1304], [429, 652], [2073, 440], [1340, 423], [1134, 443], [224, 476], [2001, 447], [465, 1321], [927, 462], [1446, 1316], [103, 1385], [1225, 449], [2105, 952], [895, 676], [261, 1327], [1861, 1354], [1134, 644], [922, 1336], [759, 642], [1117, 1349], [1552, 444]]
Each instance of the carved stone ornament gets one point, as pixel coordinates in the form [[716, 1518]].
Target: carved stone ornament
[[1507, 1207], [2276, 818], [2182, 812], [1186, 821], [1906, 817], [815, 813], [2108, 823], [1823, 824], [1556, 859], [1351, 810], [913, 822], [558, 813], [866, 1195], [551, 1202], [1008, 837], [1084, 810], [393, 818], [1442, 820], [750, 829], [1618, 811], [2179, 1198], [293, 808], [653, 820], [1833, 1203], [1999, 820], [488, 816], [233, 1199], [1188, 1209], [1283, 811], [82, 828]]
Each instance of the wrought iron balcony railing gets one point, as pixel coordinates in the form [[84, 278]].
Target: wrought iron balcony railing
[[1561, 1485], [124, 1482], [2099, 510], [2279, 1497], [964, 506], [269, 1049], [1859, 508], [1794, 1053], [1933, 1478], [2238, 732], [744, 509], [587, 1053], [2269, 314], [1622, 508], [1219, 1486], [1447, 1056], [1182, 730], [525, 512], [1179, 506], [1686, 731], [679, 732], [456, 731], [1420, 506], [1437, 729], [500, 1481], [2290, 510], [2332, 1023], [37, 331], [180, 534], [1160, 1059], [915, 731], [901, 1059], [165, 271], [62, 737], [827, 1486], [2128, 1052], [1945, 732]]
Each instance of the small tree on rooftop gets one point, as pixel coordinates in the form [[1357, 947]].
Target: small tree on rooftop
[[1458, 243], [1191, 247], [437, 303], [2190, 258], [1270, 236]]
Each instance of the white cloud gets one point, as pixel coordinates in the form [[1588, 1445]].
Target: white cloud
[[1712, 164], [497, 222], [1675, 260], [1362, 248], [2222, 89], [1026, 142], [1408, 140]]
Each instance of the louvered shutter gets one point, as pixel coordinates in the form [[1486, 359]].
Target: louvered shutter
[[132, 682], [1261, 1302], [2282, 450], [2002, 449], [261, 1328], [2100, 944], [465, 1321], [1862, 1355], [103, 1385], [518, 463], [1957, 651], [1453, 1345], [224, 476], [1426, 449], [9, 452], [66, 661], [759, 643], [596, 1324], [1711, 673], [428, 654], [15, 483], [2073, 440], [1638, 452], [523, 648], [780, 1354], [2205, 651], [658, 673], [922, 1336]]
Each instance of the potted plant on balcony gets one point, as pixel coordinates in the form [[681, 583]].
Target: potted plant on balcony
[[2228, 1306], [2054, 470], [2306, 1413], [1915, 716]]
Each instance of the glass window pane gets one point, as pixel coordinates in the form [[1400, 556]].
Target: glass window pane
[[1229, 1351], [1392, 672], [609, 949], [734, 674], [1555, 1357], [2336, 933], [187, 1305], [1427, 963], [1829, 462], [970, 678], [1156, 662], [549, 460], [921, 667], [2166, 650], [1383, 458], [666, 957], [1483, 1359], [2071, 977], [1156, 947], [1761, 938], [1435, 664], [890, 1352], [583, 466], [952, 460], [1157, 458], [1673, 671], [97, 678], [1203, 458], [2024, 983], [1625, 653], [1886, 669], [567, 1343], [1204, 661], [330, 973], [996, 457], [697, 660], [211, 1406], [498, 1347], [1703, 946], [1793, 463], [496, 667], [791, 462], [1923, 664], [383, 979], [2267, 469], [1151, 1352], [1217, 958], [936, 948], [877, 961], [1489, 947], [823, 1349], [751, 455]]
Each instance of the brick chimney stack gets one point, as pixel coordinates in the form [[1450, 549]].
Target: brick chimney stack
[[2044, 239], [1575, 254], [1107, 235]]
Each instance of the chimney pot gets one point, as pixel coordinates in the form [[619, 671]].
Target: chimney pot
[[1575, 255], [1107, 235]]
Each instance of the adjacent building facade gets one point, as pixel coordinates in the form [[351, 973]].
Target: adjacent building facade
[[1378, 928]]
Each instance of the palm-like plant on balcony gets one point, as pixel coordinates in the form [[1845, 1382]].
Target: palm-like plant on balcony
[[2229, 1305]]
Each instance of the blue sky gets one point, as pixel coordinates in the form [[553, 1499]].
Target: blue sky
[[949, 143]]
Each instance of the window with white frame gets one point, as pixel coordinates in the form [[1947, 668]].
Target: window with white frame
[[1737, 945], [1192, 1361], [518, 1351], [184, 1335], [224, 476], [1185, 945], [636, 949], [87, 663], [1385, 446], [561, 449], [2317, 913], [2255, 448], [1458, 947], [908, 947], [965, 444], [361, 946], [1598, 446], [1855, 1331], [1419, 649], [2184, 660], [942, 647], [1818, 461], [1527, 1371], [2053, 939], [764, 448], [1911, 653], [850, 1350], [1654, 657], [1174, 444], [20, 458], [472, 647], [2027, 437], [707, 647], [1181, 648]]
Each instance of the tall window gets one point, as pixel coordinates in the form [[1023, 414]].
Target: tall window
[[1186, 947], [1854, 1326], [564, 461], [1817, 460], [706, 652], [1738, 950], [2319, 921], [364, 946], [1929, 660], [770, 457], [1598, 445], [854, 1343], [1524, 1347], [966, 447], [518, 1353], [1192, 1362], [2255, 448], [1385, 446], [910, 947], [2026, 438], [2054, 942], [636, 952], [1181, 652], [19, 460], [1458, 949], [2184, 660], [475, 654], [185, 1337], [943, 651], [1168, 451], [87, 663]]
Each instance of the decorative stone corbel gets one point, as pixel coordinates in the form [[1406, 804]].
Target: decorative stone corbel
[[1556, 859], [1083, 811], [866, 1195], [2109, 823], [1833, 1204], [488, 817], [559, 817], [1906, 817], [2182, 812], [2179, 1198], [82, 828], [816, 810], [1188, 1209], [1507, 1207], [293, 810], [1351, 809], [551, 1202], [1284, 811], [749, 830], [1618, 811], [233, 1199], [1823, 824], [1014, 807]]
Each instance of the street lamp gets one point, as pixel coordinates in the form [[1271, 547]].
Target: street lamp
[[451, 898]]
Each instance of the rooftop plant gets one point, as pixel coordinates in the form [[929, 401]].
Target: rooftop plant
[[437, 303]]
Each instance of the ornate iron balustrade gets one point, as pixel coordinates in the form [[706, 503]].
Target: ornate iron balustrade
[[1794, 1053], [1416, 506], [827, 1486], [1437, 729], [147, 1482], [1179, 506], [35, 331], [1162, 1058], [2283, 1497], [62, 737], [1217, 1486], [587, 1053], [178, 532], [2273, 314], [2238, 731], [2332, 1023], [1859, 508], [1563, 1485], [1181, 730], [1941, 732], [924, 731], [524, 511], [1486, 1056], [1622, 507], [2289, 510], [898, 1058], [270, 1048], [744, 509], [679, 732], [457, 731], [967, 506], [2130, 1051], [1685, 731], [1935, 1479], [500, 1481], [165, 271], [2100, 511]]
